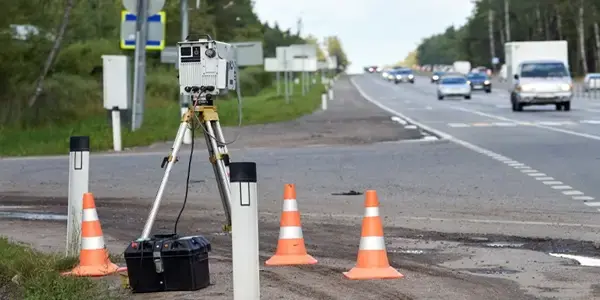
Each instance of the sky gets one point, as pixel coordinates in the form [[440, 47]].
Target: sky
[[372, 32]]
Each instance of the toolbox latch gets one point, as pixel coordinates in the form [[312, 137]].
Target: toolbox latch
[[158, 263]]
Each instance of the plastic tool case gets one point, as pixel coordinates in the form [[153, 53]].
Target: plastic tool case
[[168, 263]]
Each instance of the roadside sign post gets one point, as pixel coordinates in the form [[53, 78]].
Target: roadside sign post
[[116, 91], [184, 101], [244, 231], [279, 64], [79, 174], [141, 9]]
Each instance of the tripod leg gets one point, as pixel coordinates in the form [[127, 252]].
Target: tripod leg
[[221, 138], [170, 161], [219, 169]]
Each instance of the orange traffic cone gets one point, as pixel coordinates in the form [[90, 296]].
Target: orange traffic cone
[[372, 261], [291, 249], [93, 258]]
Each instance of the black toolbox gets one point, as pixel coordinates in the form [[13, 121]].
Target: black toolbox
[[168, 263]]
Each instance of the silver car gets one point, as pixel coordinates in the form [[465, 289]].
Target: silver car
[[543, 82], [453, 86], [591, 82]]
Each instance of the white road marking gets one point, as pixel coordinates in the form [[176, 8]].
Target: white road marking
[[521, 167], [593, 204], [589, 122], [398, 120], [561, 187], [584, 261], [572, 193], [458, 125], [496, 156], [537, 174], [505, 124], [584, 198], [550, 123], [552, 182], [579, 134]]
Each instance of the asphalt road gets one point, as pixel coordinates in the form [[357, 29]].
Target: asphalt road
[[471, 216]]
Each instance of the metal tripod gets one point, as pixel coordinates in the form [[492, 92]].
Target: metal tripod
[[203, 110]]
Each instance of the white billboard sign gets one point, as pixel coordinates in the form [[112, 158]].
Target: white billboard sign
[[301, 51], [273, 64], [303, 65]]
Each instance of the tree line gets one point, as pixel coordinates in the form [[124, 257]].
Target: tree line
[[495, 22], [51, 66]]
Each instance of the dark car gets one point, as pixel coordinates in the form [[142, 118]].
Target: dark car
[[404, 75], [480, 81], [436, 76]]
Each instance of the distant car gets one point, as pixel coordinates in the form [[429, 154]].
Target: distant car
[[479, 81], [371, 69], [542, 82], [436, 76], [390, 75], [404, 75], [453, 86], [591, 82]]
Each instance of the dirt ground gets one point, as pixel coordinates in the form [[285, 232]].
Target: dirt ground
[[436, 265]]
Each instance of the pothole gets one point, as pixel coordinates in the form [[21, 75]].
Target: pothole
[[32, 216], [491, 271], [348, 193]]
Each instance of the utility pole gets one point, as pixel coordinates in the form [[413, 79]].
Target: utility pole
[[139, 88], [303, 74], [185, 28], [491, 35], [507, 19]]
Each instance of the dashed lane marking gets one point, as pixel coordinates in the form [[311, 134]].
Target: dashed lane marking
[[583, 198], [552, 182], [561, 187], [555, 184], [551, 128], [519, 123]]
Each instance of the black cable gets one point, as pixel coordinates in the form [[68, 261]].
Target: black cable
[[187, 182]]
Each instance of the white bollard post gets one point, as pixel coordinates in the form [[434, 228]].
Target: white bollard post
[[330, 94], [324, 101], [116, 125], [79, 173], [244, 231], [187, 136]]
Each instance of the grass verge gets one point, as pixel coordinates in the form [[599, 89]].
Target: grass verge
[[161, 120], [31, 275]]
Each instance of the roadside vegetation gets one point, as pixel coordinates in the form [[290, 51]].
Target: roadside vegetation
[[66, 65], [31, 275]]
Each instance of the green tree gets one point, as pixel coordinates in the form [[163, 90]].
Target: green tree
[[575, 21], [335, 49], [71, 86]]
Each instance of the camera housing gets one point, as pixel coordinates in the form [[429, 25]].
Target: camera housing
[[206, 66]]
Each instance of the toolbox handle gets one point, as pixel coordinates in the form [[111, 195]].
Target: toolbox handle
[[166, 236]]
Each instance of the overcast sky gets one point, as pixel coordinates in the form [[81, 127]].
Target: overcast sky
[[373, 32]]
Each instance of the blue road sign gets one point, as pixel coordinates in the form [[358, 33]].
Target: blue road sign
[[156, 31]]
